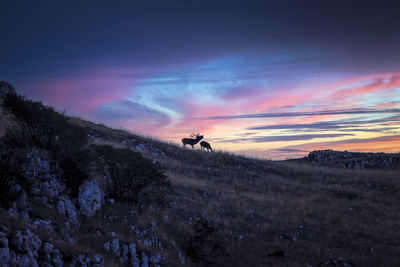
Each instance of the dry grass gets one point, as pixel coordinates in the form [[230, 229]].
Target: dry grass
[[312, 213]]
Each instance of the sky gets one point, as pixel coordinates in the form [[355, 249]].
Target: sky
[[269, 79]]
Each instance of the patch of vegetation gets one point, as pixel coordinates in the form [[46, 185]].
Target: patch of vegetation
[[134, 178], [73, 176], [206, 246], [43, 127], [10, 176]]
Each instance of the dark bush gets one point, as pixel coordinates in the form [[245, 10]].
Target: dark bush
[[206, 246], [73, 175], [42, 126], [134, 178], [9, 176]]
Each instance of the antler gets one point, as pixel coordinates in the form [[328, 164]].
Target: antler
[[195, 135]]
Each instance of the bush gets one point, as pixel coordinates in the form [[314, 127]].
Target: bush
[[206, 245], [73, 175], [134, 178], [9, 176], [42, 126]]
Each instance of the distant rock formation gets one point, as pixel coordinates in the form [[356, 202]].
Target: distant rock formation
[[354, 160], [6, 88]]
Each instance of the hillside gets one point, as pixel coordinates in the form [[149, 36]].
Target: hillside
[[75, 193]]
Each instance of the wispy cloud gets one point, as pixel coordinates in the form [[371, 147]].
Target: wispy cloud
[[348, 125], [305, 113], [137, 116], [389, 143], [280, 138]]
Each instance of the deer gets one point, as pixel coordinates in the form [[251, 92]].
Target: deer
[[192, 141], [205, 145]]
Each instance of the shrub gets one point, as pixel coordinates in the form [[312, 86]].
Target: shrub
[[73, 175], [9, 176], [134, 178], [206, 245], [39, 125], [42, 126]]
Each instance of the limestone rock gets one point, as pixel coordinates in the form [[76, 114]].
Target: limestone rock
[[67, 208], [90, 198], [6, 88]]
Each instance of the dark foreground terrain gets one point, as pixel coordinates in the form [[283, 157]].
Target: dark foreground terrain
[[73, 193]]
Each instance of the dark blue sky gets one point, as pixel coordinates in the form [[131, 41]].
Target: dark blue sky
[[38, 37]]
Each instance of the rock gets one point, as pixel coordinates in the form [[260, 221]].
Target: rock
[[37, 164], [6, 88], [145, 260], [134, 262], [17, 240], [132, 250], [67, 208], [124, 253], [90, 260], [22, 200], [3, 240], [156, 258], [181, 257], [125, 250], [61, 207], [4, 256], [43, 224], [107, 245], [90, 198], [96, 258], [13, 258], [57, 261], [12, 212], [114, 246], [24, 216], [48, 247], [27, 242]]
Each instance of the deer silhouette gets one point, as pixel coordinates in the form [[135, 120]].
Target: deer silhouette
[[205, 145], [192, 141]]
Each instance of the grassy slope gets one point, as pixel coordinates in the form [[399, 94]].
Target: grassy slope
[[312, 213]]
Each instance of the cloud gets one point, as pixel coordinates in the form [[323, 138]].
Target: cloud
[[133, 115], [340, 125], [280, 138], [290, 150], [305, 113], [388, 144]]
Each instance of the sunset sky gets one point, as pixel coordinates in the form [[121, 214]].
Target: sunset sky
[[270, 79]]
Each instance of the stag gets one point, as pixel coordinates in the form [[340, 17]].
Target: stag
[[205, 145], [192, 141]]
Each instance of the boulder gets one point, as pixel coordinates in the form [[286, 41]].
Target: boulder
[[90, 197], [67, 208], [6, 88], [4, 256], [115, 247], [3, 240]]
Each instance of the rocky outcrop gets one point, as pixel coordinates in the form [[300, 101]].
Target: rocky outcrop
[[90, 198], [67, 208], [353, 160], [25, 248], [89, 260], [127, 254], [6, 88]]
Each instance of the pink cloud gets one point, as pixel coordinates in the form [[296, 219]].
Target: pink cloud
[[81, 95]]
